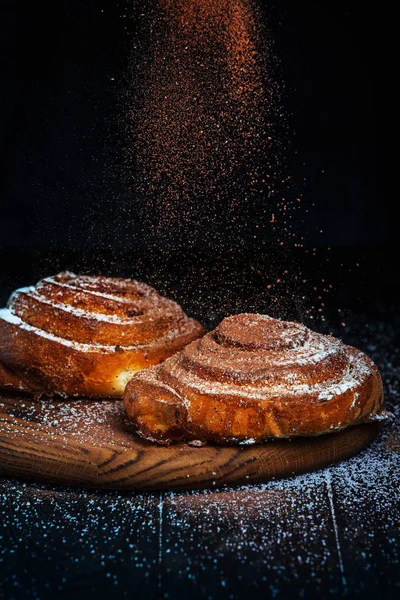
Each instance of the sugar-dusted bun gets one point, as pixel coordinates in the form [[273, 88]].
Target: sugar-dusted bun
[[255, 378], [79, 335]]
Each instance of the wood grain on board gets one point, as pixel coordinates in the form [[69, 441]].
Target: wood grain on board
[[90, 444]]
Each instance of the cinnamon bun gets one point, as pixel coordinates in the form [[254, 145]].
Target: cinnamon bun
[[86, 336], [255, 378]]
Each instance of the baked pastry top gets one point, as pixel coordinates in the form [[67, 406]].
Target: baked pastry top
[[86, 336], [255, 378]]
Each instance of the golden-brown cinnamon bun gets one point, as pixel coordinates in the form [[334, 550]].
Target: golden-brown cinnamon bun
[[255, 378], [79, 335]]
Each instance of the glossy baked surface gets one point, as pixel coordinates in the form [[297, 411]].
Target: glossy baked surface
[[254, 378], [79, 335]]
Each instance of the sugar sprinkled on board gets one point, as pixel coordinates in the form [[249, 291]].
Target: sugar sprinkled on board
[[233, 539]]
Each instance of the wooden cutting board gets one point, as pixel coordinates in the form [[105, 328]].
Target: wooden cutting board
[[89, 443]]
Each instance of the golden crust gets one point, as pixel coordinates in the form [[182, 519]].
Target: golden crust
[[86, 336], [251, 379]]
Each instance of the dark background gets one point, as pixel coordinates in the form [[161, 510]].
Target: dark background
[[64, 65], [63, 68]]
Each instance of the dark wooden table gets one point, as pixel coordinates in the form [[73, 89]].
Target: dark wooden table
[[334, 533]]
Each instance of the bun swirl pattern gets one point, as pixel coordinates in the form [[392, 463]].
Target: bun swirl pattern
[[86, 336], [255, 378]]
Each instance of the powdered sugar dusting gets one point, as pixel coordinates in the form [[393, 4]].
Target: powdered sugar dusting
[[324, 391], [273, 540], [269, 372], [9, 317]]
